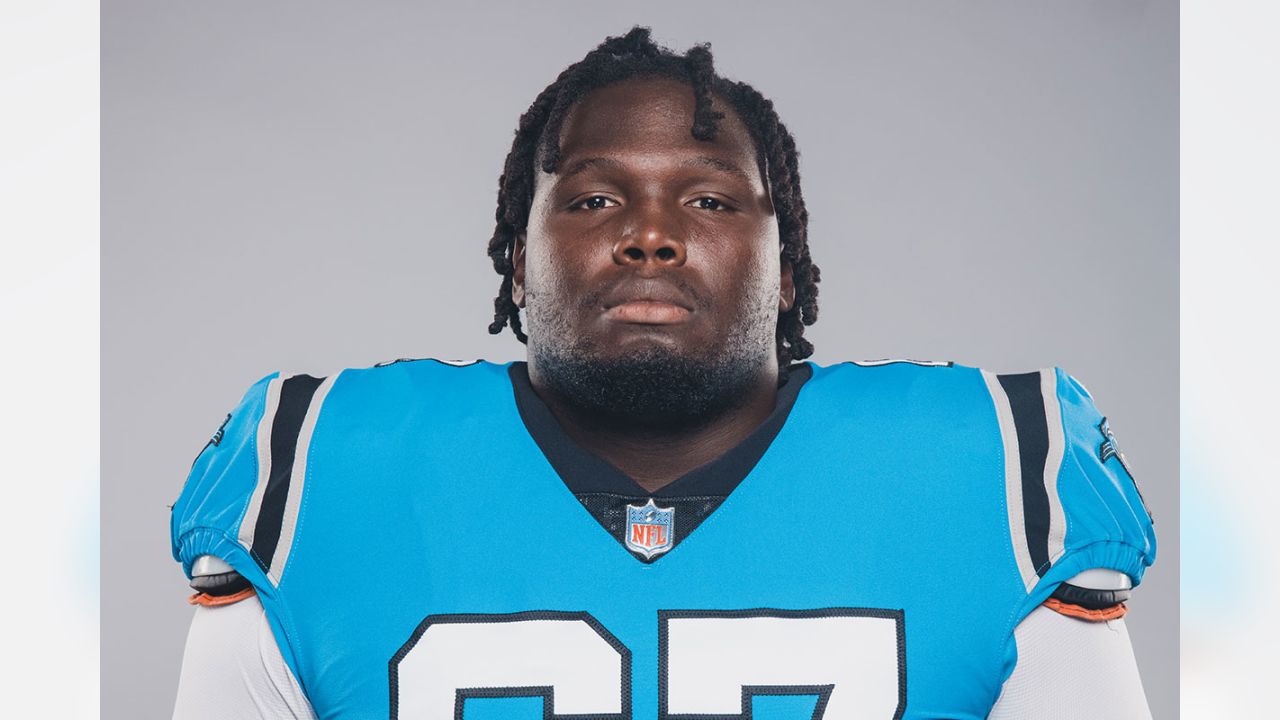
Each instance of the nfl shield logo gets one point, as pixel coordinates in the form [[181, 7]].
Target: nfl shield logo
[[650, 529]]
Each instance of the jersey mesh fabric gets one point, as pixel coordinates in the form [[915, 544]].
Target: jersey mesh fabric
[[233, 669], [1069, 669]]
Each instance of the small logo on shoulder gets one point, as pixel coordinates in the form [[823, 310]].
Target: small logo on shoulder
[[650, 529], [1109, 449], [222, 429]]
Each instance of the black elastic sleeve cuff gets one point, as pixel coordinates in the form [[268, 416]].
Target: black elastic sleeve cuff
[[220, 585], [1089, 598]]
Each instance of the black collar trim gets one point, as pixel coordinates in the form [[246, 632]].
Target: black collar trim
[[585, 472]]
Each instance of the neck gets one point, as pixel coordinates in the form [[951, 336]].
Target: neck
[[655, 455]]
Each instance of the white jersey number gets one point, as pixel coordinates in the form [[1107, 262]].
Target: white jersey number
[[569, 659], [711, 663]]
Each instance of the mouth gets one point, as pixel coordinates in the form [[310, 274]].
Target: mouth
[[645, 311], [649, 301]]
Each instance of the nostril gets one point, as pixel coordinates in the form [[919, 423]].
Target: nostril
[[634, 253], [666, 253]]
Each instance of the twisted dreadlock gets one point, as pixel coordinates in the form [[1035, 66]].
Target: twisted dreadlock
[[635, 55]]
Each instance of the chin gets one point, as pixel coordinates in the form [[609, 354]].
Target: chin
[[646, 347], [679, 340]]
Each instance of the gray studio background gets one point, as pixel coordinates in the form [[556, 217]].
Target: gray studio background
[[311, 186]]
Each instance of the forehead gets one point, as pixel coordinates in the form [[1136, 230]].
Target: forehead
[[651, 119]]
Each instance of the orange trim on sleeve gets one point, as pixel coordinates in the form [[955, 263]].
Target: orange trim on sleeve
[[1115, 612], [216, 601]]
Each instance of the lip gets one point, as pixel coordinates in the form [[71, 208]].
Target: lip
[[648, 301], [648, 312]]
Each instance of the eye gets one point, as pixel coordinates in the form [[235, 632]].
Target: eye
[[710, 203], [595, 202]]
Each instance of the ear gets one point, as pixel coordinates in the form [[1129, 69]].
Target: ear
[[786, 288], [517, 270]]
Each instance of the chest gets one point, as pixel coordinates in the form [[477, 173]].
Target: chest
[[852, 583]]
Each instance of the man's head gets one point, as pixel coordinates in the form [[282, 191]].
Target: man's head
[[650, 224]]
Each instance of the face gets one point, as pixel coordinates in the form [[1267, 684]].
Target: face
[[649, 243]]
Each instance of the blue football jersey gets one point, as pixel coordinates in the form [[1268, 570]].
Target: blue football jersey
[[429, 544]]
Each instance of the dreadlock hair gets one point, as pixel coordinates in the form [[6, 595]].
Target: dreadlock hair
[[635, 55]]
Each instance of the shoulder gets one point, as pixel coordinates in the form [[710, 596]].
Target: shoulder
[[413, 383], [951, 398], [245, 484], [245, 468], [893, 379], [1073, 504], [425, 371], [1109, 523], [1071, 500]]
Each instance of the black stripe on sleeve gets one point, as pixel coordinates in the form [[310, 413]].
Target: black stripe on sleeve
[[1027, 406], [295, 396]]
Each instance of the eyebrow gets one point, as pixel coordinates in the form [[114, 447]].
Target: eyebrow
[[703, 161]]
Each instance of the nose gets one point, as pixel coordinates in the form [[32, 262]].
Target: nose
[[653, 240]]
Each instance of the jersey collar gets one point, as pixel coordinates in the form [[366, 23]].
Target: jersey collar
[[605, 491]]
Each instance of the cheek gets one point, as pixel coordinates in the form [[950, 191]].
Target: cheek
[[539, 268], [557, 270], [747, 267], [542, 269], [564, 261]]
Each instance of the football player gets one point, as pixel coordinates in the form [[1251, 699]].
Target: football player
[[666, 511]]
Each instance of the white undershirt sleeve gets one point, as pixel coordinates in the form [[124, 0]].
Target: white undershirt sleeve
[[232, 668], [1069, 669]]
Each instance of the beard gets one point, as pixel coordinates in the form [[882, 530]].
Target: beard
[[657, 388]]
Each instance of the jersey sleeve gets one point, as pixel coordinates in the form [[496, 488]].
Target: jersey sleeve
[[1106, 522], [206, 517], [1072, 503], [214, 514]]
